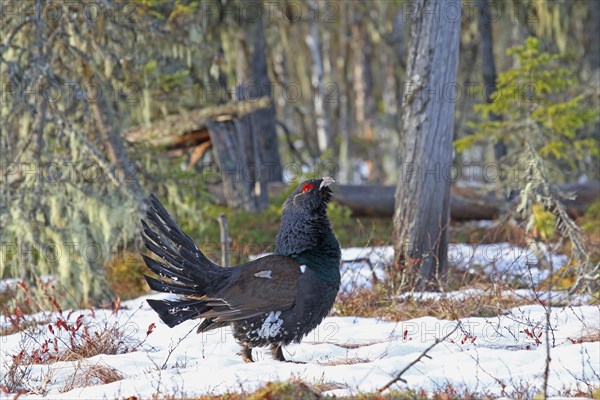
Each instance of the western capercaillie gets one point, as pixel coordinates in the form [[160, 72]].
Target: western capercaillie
[[271, 301]]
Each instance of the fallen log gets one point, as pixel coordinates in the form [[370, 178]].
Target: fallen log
[[189, 128], [379, 201], [465, 203]]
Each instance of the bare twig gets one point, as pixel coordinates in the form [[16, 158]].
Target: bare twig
[[173, 348], [548, 309], [290, 143], [367, 261], [398, 376], [224, 240]]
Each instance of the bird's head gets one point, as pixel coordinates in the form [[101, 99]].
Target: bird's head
[[311, 195], [304, 223]]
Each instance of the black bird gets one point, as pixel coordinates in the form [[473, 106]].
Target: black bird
[[271, 301]]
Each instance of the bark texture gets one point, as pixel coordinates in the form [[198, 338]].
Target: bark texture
[[488, 66], [593, 23], [423, 193], [254, 82], [317, 80], [236, 149]]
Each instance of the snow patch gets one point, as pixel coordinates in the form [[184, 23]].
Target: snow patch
[[363, 267], [302, 268]]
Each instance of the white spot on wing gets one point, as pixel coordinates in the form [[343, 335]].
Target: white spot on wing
[[303, 268], [264, 274], [271, 325]]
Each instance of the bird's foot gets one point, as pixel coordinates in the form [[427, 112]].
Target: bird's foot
[[277, 353], [246, 354]]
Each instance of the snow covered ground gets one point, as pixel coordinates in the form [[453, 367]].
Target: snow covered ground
[[499, 356], [504, 261]]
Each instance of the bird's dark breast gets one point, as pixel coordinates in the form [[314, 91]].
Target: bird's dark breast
[[283, 327]]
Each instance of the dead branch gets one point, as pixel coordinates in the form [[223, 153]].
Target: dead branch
[[169, 131]]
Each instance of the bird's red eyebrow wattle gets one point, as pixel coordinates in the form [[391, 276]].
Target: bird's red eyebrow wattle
[[307, 187]]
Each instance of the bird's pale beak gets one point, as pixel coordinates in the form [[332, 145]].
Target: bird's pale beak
[[326, 182]]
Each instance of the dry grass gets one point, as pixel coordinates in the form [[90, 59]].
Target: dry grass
[[87, 374], [15, 303], [502, 231], [66, 340], [344, 361], [298, 390], [125, 276], [381, 303], [590, 336], [111, 340], [73, 336], [25, 324]]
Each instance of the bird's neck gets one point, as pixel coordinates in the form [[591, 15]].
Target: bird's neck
[[310, 239], [301, 232], [325, 261]]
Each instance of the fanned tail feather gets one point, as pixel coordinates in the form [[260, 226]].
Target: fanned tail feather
[[173, 313], [184, 270]]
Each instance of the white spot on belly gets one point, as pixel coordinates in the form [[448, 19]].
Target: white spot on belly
[[264, 274], [271, 325], [303, 268]]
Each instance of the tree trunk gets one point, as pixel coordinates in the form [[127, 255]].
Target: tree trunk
[[345, 170], [236, 149], [593, 23], [362, 80], [423, 193], [253, 78], [317, 74], [392, 57], [488, 66]]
